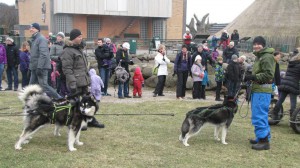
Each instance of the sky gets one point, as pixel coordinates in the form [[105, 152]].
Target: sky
[[220, 11]]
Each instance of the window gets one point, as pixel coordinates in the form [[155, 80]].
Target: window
[[144, 29], [93, 28], [63, 23], [158, 28]]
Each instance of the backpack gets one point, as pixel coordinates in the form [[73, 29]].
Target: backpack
[[121, 74]]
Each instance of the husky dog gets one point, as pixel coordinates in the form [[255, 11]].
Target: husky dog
[[219, 115], [40, 110]]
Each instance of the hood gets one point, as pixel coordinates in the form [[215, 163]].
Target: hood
[[293, 63], [69, 43], [264, 51], [137, 71], [92, 72]]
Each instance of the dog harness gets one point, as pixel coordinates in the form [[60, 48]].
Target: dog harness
[[60, 108], [206, 112]]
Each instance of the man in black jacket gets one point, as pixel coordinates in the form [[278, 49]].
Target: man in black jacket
[[233, 76], [229, 51], [12, 54]]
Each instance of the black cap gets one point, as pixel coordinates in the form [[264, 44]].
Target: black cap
[[259, 40], [74, 34]]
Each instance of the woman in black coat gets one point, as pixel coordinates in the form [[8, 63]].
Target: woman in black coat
[[289, 85]]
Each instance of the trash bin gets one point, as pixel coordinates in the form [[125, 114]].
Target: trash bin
[[156, 41], [133, 46]]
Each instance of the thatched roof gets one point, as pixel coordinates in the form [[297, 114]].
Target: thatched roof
[[268, 18]]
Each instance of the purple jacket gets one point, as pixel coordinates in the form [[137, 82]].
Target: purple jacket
[[96, 84], [3, 58], [24, 60]]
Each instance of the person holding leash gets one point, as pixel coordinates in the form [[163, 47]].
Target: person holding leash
[[261, 77]]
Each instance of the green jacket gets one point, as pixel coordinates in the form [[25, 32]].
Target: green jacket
[[263, 69]]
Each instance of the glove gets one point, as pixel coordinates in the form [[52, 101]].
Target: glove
[[250, 78], [39, 72], [163, 59], [131, 62]]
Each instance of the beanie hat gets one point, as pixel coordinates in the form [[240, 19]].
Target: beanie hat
[[61, 34], [107, 40], [259, 40], [36, 26], [74, 34], [198, 57], [10, 39], [231, 43], [220, 59], [234, 57], [126, 45]]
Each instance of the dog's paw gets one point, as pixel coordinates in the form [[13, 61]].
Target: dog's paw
[[225, 143], [72, 149], [17, 147], [217, 139], [79, 143], [25, 142], [57, 134], [186, 144]]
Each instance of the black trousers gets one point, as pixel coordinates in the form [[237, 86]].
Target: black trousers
[[197, 86], [203, 92], [160, 84], [218, 90], [181, 83]]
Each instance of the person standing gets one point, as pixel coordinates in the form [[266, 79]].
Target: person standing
[[96, 85], [40, 61], [187, 39], [224, 39], [123, 59], [162, 60], [197, 74], [235, 37], [261, 89], [12, 54], [24, 63], [138, 82], [3, 62], [75, 68], [219, 77], [233, 76], [214, 41], [55, 51], [104, 54], [229, 51], [182, 67]]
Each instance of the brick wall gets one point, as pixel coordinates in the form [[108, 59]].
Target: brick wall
[[175, 23]]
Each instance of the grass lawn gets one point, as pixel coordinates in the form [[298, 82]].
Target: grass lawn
[[145, 141]]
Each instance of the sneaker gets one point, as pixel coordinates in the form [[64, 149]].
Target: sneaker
[[161, 95], [1, 89], [252, 141], [8, 88], [127, 96], [15, 89], [154, 95], [121, 97], [107, 94]]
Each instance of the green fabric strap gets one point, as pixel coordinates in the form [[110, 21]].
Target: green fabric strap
[[60, 108]]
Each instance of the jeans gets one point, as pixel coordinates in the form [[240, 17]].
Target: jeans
[[293, 100], [123, 87], [1, 72], [104, 74], [42, 80], [181, 83], [160, 84], [25, 78], [260, 103], [12, 71]]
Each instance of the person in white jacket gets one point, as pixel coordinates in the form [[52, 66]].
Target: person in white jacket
[[161, 60]]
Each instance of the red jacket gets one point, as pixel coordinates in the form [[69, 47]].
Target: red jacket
[[138, 79]]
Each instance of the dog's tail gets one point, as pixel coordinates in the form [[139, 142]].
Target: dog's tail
[[29, 91]]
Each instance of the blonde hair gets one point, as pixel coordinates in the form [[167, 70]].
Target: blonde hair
[[161, 47], [24, 44]]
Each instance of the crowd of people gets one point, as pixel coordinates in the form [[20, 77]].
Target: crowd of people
[[61, 68]]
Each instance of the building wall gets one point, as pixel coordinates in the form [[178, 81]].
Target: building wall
[[30, 12], [175, 23]]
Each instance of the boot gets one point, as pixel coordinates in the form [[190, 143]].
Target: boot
[[252, 141], [262, 144], [275, 115], [95, 123]]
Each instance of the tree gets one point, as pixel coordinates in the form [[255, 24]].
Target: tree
[[8, 17]]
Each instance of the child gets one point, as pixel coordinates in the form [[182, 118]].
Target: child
[[96, 85], [24, 63], [197, 74], [219, 74], [215, 54], [138, 82], [205, 82]]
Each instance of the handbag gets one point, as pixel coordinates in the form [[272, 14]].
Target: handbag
[[155, 70]]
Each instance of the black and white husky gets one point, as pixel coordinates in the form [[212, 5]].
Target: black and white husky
[[219, 115], [40, 110]]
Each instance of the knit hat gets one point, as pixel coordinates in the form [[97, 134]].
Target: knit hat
[[234, 57], [126, 45], [107, 40], [36, 26], [10, 39], [198, 57], [61, 34], [74, 34], [219, 59], [231, 43], [259, 40]]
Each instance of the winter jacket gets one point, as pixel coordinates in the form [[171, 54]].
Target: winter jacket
[[263, 69], [214, 41], [96, 84], [122, 56], [214, 55], [56, 50], [290, 83], [12, 55], [187, 38], [39, 53], [277, 79], [228, 52], [163, 64], [137, 78], [24, 60], [182, 65], [219, 73], [235, 37], [205, 57], [224, 37], [104, 54], [3, 58], [205, 80], [197, 72], [75, 66], [233, 72]]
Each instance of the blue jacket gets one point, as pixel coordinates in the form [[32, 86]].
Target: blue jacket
[[205, 80], [24, 60], [181, 65]]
